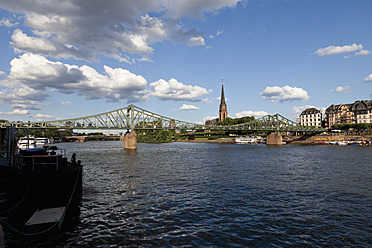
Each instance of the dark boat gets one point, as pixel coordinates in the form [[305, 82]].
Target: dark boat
[[38, 188]]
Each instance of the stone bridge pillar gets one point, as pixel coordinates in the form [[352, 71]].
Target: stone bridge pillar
[[274, 139], [130, 141]]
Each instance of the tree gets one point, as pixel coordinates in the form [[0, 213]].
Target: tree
[[234, 121]]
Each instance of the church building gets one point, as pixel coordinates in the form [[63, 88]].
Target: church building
[[222, 114]]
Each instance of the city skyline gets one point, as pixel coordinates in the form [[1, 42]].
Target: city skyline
[[69, 59]]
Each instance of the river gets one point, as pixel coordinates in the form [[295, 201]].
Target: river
[[219, 195]]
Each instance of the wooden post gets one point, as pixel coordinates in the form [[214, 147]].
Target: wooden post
[[130, 141]]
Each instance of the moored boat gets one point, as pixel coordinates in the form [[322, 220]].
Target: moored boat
[[26, 143], [341, 143], [41, 142], [38, 188], [246, 140]]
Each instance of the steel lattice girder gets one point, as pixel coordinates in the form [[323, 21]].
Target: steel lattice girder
[[133, 118]]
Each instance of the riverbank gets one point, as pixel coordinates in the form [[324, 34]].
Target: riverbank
[[302, 140], [206, 140]]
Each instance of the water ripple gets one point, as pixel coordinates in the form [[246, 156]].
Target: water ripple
[[214, 195]]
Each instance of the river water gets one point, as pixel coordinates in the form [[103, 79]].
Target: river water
[[220, 195]]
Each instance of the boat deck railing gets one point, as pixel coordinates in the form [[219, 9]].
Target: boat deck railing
[[51, 160]]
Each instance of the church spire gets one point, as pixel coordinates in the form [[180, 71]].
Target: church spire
[[223, 108], [222, 95]]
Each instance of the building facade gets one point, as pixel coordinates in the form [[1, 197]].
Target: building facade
[[362, 111], [357, 112], [311, 117]]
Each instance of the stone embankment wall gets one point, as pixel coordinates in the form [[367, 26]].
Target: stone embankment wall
[[339, 137]]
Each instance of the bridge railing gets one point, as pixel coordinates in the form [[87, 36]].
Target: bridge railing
[[275, 122], [133, 118]]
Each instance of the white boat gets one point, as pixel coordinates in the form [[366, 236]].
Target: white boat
[[26, 143], [246, 140], [41, 142], [341, 143]]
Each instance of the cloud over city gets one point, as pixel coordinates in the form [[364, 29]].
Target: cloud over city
[[188, 107], [340, 89], [120, 30], [16, 112], [285, 93], [33, 76], [332, 50], [196, 41], [174, 90], [255, 114], [369, 78]]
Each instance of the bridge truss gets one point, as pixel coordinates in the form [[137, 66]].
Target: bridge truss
[[130, 117], [135, 118], [271, 123]]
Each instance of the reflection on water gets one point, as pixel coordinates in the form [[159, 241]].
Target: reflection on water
[[189, 194]]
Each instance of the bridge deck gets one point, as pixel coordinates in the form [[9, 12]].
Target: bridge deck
[[136, 118]]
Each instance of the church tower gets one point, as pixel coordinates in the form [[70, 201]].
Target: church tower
[[222, 115]]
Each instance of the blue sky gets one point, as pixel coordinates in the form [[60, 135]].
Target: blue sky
[[62, 59]]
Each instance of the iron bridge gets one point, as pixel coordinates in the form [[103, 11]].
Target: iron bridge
[[135, 118]]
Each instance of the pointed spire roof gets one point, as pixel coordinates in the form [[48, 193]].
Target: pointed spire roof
[[222, 95]]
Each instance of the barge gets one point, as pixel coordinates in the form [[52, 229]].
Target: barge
[[38, 187]]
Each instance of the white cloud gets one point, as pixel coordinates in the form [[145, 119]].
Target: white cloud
[[219, 99], [40, 117], [66, 103], [22, 97], [195, 8], [21, 42], [32, 77], [119, 29], [2, 73], [297, 110], [207, 100], [340, 89], [369, 78], [16, 112], [24, 42], [174, 90], [6, 22], [196, 41], [362, 52], [255, 114], [188, 107], [219, 32], [207, 118], [286, 93], [331, 50]]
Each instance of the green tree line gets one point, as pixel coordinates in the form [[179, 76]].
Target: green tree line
[[47, 133], [356, 126], [155, 136], [234, 121]]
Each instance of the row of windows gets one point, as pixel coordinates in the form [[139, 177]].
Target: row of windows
[[312, 119], [364, 116]]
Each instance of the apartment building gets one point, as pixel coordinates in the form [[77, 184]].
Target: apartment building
[[311, 117], [357, 112], [362, 111]]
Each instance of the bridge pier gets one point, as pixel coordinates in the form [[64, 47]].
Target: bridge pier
[[130, 141], [274, 139]]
